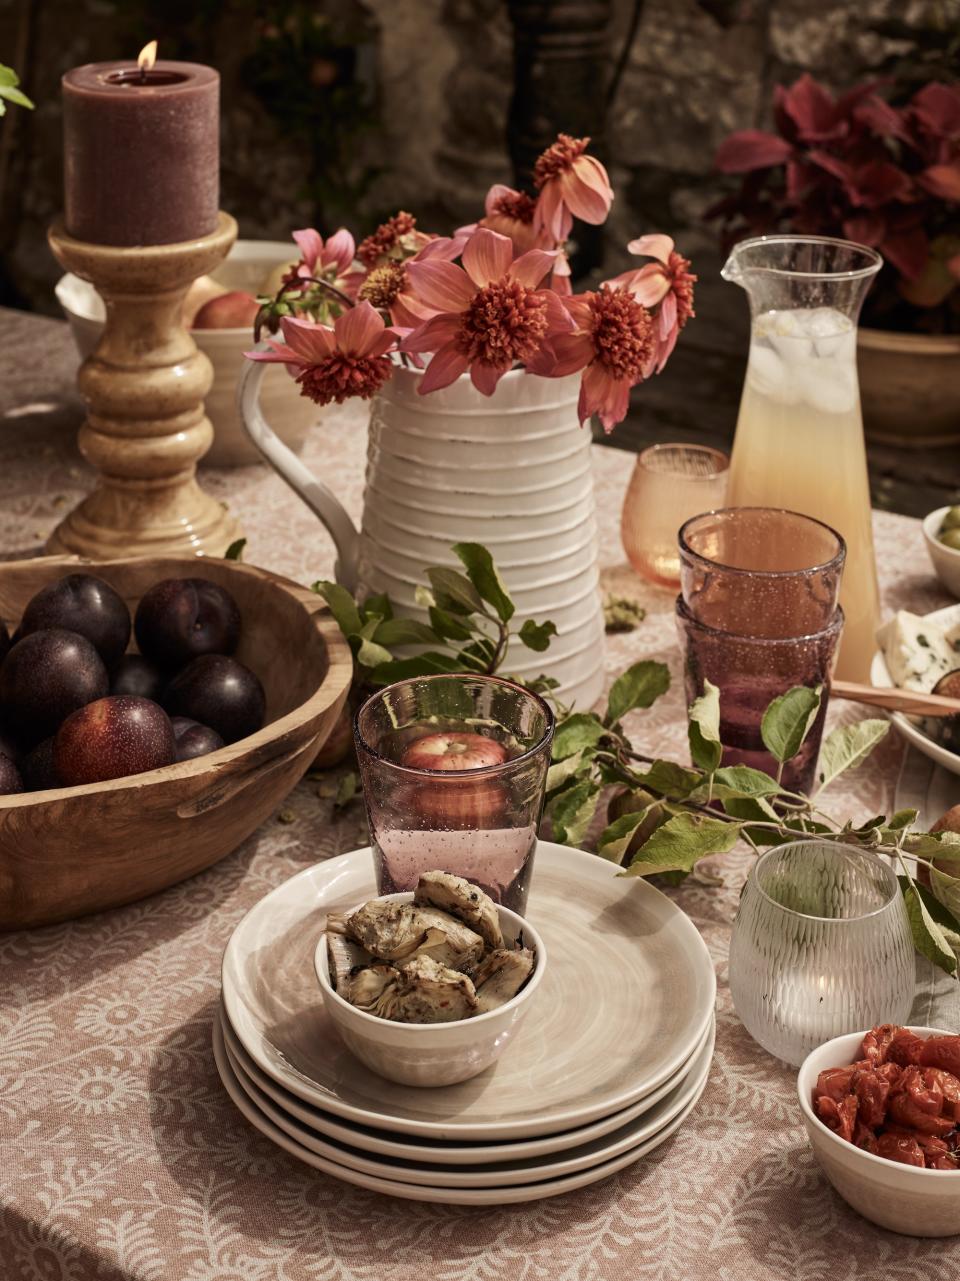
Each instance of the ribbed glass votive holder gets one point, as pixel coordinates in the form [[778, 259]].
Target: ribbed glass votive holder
[[821, 946]]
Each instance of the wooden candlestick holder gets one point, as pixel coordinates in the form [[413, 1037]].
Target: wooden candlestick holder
[[143, 387]]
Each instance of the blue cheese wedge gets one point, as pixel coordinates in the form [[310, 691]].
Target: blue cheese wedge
[[918, 651]]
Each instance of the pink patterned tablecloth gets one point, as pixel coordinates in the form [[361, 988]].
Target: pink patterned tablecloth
[[123, 1158]]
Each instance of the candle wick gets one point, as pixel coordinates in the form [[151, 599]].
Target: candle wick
[[143, 75]]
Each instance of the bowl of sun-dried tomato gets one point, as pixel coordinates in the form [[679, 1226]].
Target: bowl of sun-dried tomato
[[882, 1111]]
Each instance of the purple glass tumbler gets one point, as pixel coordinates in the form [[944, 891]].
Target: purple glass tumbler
[[454, 769], [757, 615]]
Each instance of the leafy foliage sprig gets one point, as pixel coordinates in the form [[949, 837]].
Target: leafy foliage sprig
[[663, 817]]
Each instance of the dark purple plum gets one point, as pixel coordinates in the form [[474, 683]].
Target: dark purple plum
[[38, 770], [5, 641], [111, 738], [45, 677], [194, 739], [11, 780], [219, 692], [83, 604], [182, 618], [136, 675]]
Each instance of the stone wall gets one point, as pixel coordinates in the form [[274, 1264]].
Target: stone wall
[[436, 78]]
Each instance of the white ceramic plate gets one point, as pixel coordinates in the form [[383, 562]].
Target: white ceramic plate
[[925, 787], [498, 1195], [627, 995], [880, 675], [437, 1151], [502, 1173]]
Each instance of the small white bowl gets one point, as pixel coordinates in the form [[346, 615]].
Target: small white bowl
[[430, 1054], [946, 560], [246, 267], [902, 1198]]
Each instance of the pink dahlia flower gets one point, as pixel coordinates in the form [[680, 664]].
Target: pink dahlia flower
[[389, 287], [394, 240], [571, 185], [489, 314], [613, 343], [667, 282], [338, 362], [329, 260]]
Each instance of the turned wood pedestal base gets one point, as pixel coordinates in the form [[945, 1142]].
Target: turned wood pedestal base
[[143, 387]]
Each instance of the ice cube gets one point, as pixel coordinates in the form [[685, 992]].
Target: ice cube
[[832, 332], [769, 376], [829, 388]]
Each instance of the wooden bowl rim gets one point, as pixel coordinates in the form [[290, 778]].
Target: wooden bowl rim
[[337, 679]]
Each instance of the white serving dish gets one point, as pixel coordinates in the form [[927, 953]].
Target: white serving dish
[[433, 1054], [441, 1193], [246, 267], [901, 1198], [880, 676], [945, 560]]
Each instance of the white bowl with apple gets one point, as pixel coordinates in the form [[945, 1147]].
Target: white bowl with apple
[[219, 310]]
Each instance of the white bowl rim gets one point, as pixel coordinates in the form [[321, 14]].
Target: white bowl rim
[[406, 896], [935, 518], [807, 1108]]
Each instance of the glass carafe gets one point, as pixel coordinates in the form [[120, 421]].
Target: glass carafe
[[799, 441]]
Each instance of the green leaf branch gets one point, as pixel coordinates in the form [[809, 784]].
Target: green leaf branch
[[662, 817]]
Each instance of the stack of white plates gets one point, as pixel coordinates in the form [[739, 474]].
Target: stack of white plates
[[609, 1062]]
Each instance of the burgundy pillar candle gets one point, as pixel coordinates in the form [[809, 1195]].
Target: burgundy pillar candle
[[141, 152]]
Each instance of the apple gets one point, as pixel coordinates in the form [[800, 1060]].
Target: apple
[[200, 292], [235, 310], [111, 738], [453, 750], [459, 804]]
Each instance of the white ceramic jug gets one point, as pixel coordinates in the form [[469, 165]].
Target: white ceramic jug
[[511, 471]]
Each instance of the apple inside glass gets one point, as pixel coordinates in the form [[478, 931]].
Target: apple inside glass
[[456, 803], [453, 749]]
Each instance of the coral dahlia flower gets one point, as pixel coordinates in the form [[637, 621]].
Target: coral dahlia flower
[[615, 346], [328, 260], [489, 314], [393, 240], [388, 287], [667, 281], [335, 363], [571, 185], [511, 213]]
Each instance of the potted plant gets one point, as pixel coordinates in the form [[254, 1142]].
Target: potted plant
[[887, 176]]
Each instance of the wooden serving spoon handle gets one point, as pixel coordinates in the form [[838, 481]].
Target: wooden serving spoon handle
[[896, 700]]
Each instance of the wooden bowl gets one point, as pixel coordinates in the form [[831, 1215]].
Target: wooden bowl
[[74, 850]]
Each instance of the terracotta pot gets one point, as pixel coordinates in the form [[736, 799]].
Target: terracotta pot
[[910, 387]]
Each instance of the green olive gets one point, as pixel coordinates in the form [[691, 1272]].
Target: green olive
[[951, 520], [951, 538]]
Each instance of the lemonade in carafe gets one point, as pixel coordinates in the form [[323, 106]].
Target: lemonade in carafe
[[799, 441]]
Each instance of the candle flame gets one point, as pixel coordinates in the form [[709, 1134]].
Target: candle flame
[[147, 56]]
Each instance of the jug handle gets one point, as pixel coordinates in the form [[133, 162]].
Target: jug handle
[[298, 476]]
